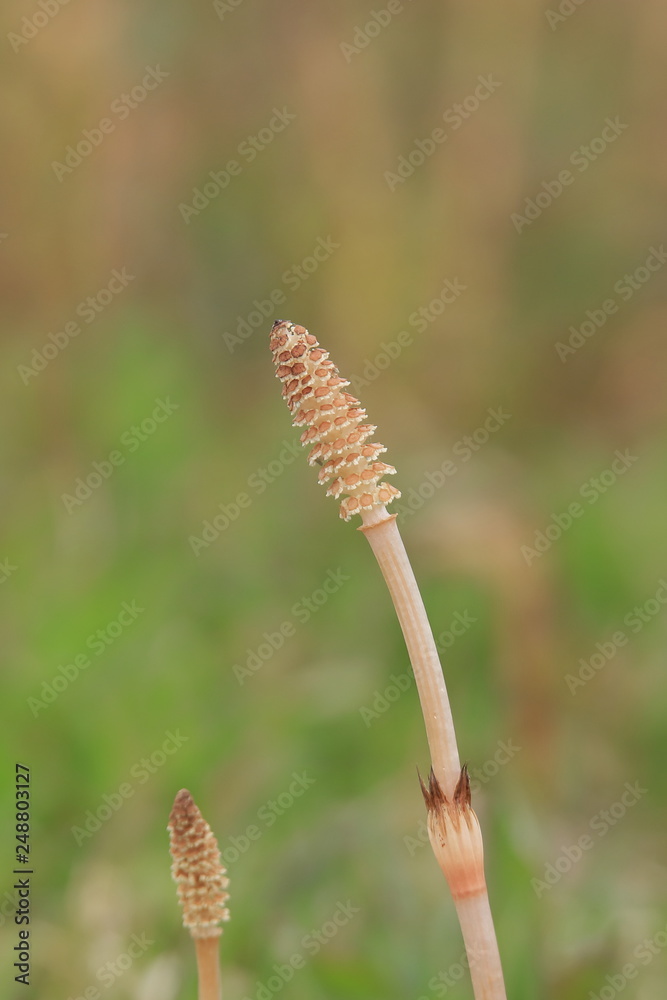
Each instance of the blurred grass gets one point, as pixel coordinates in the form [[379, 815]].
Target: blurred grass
[[172, 670]]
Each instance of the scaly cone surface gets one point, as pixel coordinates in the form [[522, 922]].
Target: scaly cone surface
[[197, 869], [315, 394]]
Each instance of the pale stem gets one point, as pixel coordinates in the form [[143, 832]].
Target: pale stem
[[479, 936], [473, 911], [384, 537], [208, 968]]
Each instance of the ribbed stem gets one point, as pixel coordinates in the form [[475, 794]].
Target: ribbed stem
[[316, 396], [479, 936], [453, 826], [208, 968], [384, 537]]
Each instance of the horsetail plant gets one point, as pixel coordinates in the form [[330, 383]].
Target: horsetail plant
[[201, 884], [335, 425]]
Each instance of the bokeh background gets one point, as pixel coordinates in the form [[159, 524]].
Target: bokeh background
[[355, 100]]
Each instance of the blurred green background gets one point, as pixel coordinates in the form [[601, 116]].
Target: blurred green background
[[315, 105]]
